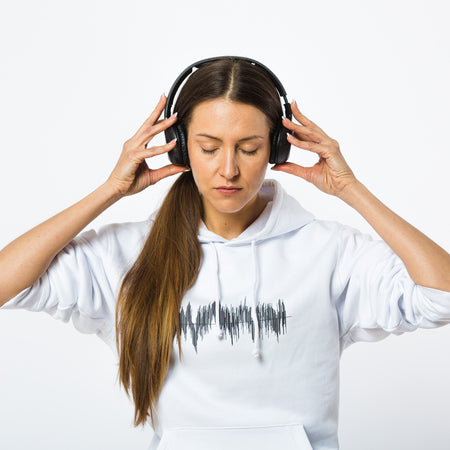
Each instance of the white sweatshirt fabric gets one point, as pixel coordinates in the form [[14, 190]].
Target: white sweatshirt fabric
[[263, 328]]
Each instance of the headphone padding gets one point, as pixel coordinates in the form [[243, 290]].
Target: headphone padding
[[179, 154], [280, 146]]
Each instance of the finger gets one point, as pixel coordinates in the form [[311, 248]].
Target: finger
[[157, 150], [166, 171], [147, 132], [156, 113], [303, 119], [307, 145], [162, 124], [159, 121], [293, 169], [302, 130]]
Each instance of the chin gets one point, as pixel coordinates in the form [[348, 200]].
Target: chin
[[231, 207], [228, 205]]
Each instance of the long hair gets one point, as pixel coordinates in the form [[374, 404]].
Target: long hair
[[151, 292]]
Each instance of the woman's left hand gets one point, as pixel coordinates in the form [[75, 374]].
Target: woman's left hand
[[331, 173]]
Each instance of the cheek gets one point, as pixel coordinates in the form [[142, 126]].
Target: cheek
[[196, 174], [201, 173], [257, 168], [201, 169]]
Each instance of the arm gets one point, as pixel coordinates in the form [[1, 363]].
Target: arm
[[26, 258], [426, 262]]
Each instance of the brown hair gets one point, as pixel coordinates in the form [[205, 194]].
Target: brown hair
[[150, 296]]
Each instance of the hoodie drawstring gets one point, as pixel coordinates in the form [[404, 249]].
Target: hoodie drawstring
[[254, 293], [257, 344], [220, 333]]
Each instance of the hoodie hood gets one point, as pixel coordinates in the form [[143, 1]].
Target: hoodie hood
[[281, 215]]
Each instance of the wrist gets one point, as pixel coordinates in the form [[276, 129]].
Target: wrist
[[352, 193], [110, 192]]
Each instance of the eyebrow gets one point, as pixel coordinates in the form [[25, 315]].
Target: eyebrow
[[240, 140]]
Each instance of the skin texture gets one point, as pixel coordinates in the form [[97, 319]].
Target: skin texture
[[227, 162]]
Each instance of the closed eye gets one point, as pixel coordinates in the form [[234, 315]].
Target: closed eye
[[208, 151], [243, 151]]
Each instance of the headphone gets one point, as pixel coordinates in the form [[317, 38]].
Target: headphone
[[280, 146]]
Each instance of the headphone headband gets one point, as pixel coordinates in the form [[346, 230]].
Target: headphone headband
[[186, 72]]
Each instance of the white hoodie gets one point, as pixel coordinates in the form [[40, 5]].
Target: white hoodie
[[263, 328]]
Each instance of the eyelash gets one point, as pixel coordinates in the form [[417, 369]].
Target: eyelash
[[243, 151]]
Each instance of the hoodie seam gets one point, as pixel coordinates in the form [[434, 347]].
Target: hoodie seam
[[338, 257], [347, 335]]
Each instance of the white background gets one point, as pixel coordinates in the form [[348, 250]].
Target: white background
[[78, 78]]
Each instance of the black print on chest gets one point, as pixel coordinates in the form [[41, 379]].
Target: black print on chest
[[233, 320]]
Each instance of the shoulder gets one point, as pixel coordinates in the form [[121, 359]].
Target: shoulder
[[327, 229], [338, 230], [331, 235], [114, 239]]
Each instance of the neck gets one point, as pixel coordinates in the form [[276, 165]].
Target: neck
[[231, 225]]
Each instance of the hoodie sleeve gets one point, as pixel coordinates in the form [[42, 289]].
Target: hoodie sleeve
[[76, 285], [377, 295]]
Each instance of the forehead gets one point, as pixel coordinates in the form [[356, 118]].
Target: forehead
[[221, 116]]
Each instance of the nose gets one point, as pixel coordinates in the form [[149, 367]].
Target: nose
[[229, 167]]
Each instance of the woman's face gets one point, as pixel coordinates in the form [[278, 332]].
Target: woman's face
[[228, 146]]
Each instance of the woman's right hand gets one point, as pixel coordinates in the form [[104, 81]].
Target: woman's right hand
[[26, 258], [131, 173]]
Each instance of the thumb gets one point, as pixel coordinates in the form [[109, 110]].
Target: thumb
[[166, 171], [294, 169]]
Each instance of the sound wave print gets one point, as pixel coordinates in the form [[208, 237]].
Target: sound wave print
[[233, 320]]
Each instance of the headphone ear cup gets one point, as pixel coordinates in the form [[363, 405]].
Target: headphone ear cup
[[179, 154], [182, 135], [280, 145]]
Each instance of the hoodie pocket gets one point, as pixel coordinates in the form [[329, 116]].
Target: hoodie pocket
[[286, 436]]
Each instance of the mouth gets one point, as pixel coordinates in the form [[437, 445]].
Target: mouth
[[228, 190]]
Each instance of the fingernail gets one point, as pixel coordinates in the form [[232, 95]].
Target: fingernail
[[173, 140], [161, 98], [173, 115], [284, 118], [187, 170]]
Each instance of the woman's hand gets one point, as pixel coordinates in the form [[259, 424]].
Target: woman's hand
[[331, 174], [131, 173]]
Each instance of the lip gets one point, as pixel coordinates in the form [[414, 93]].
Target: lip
[[228, 187], [228, 190]]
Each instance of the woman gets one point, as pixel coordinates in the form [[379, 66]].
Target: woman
[[231, 266]]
